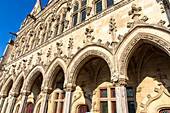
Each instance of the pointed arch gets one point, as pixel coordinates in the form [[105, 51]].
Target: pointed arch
[[84, 54], [156, 36], [31, 77], [56, 63], [7, 86], [18, 83]]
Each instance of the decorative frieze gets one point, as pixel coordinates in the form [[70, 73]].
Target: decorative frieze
[[59, 50], [88, 34], [70, 47]]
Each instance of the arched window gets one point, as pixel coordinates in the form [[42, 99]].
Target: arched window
[[29, 108], [59, 102], [79, 12], [165, 111], [62, 21], [75, 14], [83, 109], [57, 26]]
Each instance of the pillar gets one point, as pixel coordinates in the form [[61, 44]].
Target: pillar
[[121, 97], [11, 103], [2, 101], [5, 105], [23, 101], [68, 98], [44, 101]]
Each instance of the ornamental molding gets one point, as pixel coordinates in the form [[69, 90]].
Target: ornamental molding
[[74, 71], [159, 90], [146, 36]]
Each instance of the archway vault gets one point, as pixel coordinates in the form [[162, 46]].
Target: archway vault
[[83, 56], [56, 65], [155, 36], [32, 76]]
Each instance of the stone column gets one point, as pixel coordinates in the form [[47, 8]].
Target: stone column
[[68, 98], [121, 97], [5, 105], [44, 101], [2, 101], [23, 101], [11, 103]]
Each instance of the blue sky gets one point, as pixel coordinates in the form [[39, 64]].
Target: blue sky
[[13, 12]]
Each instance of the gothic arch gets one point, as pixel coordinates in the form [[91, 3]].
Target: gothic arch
[[52, 67], [7, 86], [18, 83], [60, 7], [31, 77], [88, 52], [152, 35]]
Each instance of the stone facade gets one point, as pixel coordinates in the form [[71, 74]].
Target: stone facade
[[98, 56]]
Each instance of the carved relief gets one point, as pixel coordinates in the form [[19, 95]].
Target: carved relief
[[70, 47], [89, 37], [59, 51], [161, 22]]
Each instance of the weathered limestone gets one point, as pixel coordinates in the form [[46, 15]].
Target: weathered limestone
[[23, 101], [68, 98], [5, 105], [121, 97], [1, 103], [11, 104], [44, 101]]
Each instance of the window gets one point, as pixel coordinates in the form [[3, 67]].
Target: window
[[79, 13], [83, 3], [64, 16], [98, 6], [75, 19], [58, 19], [83, 15], [109, 3], [62, 22], [83, 109], [56, 30], [59, 102], [104, 107], [131, 100], [75, 16], [105, 98], [76, 7], [29, 108], [62, 27], [42, 41], [165, 111], [103, 93]]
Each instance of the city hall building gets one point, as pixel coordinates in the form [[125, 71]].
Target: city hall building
[[95, 56]]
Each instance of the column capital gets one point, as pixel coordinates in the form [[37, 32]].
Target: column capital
[[69, 87], [121, 82], [13, 94], [46, 90], [26, 93], [3, 95]]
